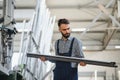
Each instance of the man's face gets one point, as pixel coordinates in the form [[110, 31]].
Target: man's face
[[65, 30]]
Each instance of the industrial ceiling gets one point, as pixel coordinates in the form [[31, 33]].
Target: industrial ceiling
[[94, 22]]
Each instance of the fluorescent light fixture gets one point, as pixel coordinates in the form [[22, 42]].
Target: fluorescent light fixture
[[117, 47], [78, 29], [83, 47]]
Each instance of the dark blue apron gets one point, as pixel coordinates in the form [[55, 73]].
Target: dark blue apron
[[63, 70]]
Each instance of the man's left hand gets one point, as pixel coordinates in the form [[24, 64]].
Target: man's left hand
[[82, 63]]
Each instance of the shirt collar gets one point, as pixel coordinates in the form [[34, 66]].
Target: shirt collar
[[70, 38]]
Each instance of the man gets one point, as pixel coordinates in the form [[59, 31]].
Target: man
[[70, 47]]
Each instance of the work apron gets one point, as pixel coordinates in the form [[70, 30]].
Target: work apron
[[63, 70]]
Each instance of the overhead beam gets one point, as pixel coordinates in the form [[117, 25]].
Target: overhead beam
[[77, 32], [80, 20], [71, 7], [57, 7], [109, 33], [108, 36], [88, 4], [103, 9], [101, 31], [86, 20], [95, 19]]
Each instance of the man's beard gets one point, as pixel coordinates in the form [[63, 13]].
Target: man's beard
[[66, 35]]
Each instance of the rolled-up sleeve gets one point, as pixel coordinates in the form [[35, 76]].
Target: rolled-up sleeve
[[77, 51]]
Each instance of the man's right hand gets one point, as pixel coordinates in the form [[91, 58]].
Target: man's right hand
[[42, 58]]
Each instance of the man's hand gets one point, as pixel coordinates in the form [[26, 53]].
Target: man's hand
[[82, 64], [42, 58]]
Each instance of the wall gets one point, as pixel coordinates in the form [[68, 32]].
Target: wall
[[109, 56]]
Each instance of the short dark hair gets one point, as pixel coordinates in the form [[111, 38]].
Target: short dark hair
[[62, 21]]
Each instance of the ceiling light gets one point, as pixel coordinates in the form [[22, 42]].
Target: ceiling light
[[78, 29], [83, 47], [117, 47]]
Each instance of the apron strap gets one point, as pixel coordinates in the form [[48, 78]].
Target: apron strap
[[58, 46], [71, 46]]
